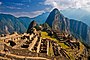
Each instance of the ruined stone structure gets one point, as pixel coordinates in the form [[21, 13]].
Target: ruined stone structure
[[33, 46]]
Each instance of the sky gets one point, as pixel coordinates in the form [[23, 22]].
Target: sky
[[32, 8]]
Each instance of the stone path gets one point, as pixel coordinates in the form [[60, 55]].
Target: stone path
[[18, 45], [38, 47], [33, 43]]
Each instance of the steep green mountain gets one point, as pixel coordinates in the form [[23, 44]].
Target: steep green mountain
[[77, 28], [10, 24]]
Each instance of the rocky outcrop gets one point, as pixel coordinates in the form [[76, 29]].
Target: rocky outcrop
[[77, 28]]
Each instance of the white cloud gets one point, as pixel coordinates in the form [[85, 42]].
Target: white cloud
[[27, 14], [0, 3], [37, 12], [62, 4], [11, 7]]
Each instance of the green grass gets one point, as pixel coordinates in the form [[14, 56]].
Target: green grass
[[51, 50], [45, 35], [63, 45]]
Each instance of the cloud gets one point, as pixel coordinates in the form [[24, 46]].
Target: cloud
[[62, 4], [38, 12], [0, 3], [35, 13], [11, 7], [27, 14]]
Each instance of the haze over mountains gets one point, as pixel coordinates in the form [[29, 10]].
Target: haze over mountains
[[77, 14]]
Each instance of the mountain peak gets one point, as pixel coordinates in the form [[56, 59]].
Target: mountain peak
[[53, 16], [55, 9], [32, 24]]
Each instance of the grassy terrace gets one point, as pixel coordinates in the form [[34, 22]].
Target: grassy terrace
[[70, 54], [45, 35]]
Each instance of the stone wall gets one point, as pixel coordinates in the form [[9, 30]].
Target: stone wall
[[1, 46]]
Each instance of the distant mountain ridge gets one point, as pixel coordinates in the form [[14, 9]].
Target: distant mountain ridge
[[77, 14], [39, 19], [25, 21], [10, 23], [77, 28]]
